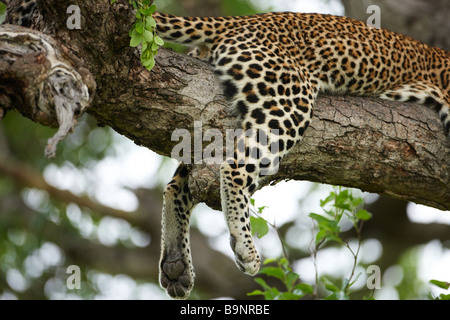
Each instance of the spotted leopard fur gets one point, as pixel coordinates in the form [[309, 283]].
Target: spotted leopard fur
[[272, 67], [21, 12]]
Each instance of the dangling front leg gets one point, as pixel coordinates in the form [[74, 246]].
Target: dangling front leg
[[256, 154], [176, 273], [235, 182]]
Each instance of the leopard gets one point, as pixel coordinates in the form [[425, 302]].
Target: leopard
[[272, 66]]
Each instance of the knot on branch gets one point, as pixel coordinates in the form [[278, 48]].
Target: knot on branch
[[43, 81]]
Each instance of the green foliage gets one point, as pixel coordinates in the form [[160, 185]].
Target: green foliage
[[339, 203], [295, 289], [443, 285], [258, 224], [143, 32], [343, 203]]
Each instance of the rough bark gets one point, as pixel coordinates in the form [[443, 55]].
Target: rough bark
[[42, 80], [389, 148]]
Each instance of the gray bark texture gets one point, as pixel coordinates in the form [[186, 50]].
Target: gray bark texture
[[396, 149]]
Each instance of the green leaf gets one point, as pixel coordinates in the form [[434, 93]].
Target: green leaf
[[144, 47], [269, 260], [273, 272], [330, 198], [262, 283], [305, 288], [147, 61], [261, 209], [330, 226], [139, 27], [357, 201], [289, 296], [256, 293], [151, 65], [136, 40], [154, 45], [327, 236], [330, 285], [444, 296], [291, 278], [320, 236], [285, 263], [152, 9], [318, 217], [272, 294], [159, 41], [148, 36], [440, 284], [328, 229], [363, 215], [259, 226], [150, 22]]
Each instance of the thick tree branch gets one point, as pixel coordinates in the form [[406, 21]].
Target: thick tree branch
[[389, 148]]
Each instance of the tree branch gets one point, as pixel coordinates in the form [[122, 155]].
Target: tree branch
[[42, 80], [396, 149]]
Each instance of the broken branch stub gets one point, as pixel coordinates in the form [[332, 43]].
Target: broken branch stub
[[44, 82]]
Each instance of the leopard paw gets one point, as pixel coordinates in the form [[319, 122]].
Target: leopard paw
[[176, 275], [246, 257]]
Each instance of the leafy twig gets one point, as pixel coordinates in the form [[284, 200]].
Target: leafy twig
[[143, 32]]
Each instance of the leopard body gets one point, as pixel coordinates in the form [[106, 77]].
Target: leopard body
[[272, 67]]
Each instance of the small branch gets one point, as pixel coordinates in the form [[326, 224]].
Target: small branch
[[40, 79]]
